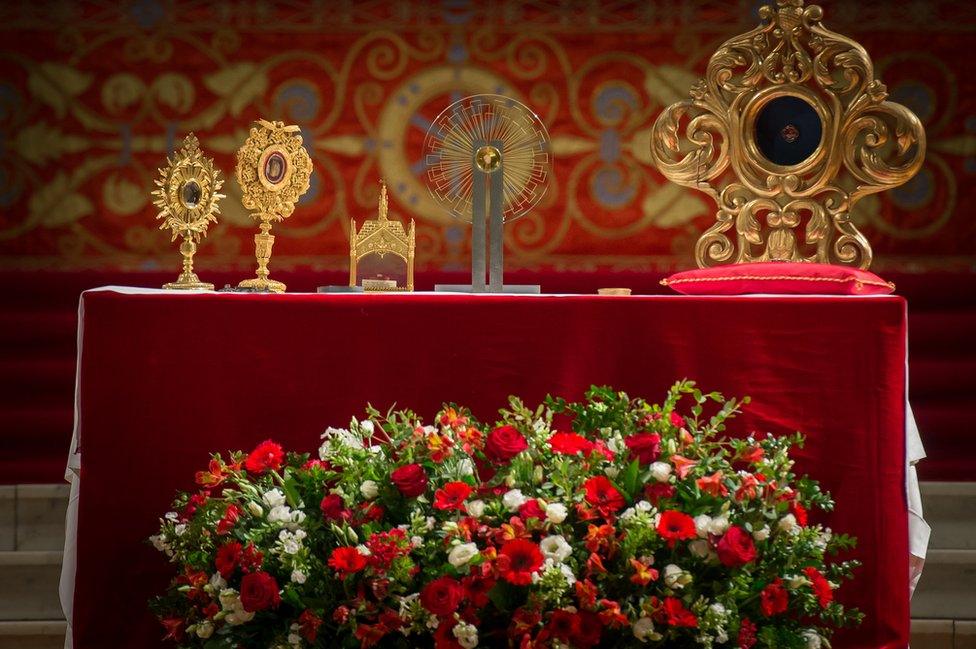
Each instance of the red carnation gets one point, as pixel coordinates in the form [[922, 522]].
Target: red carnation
[[267, 456], [504, 443], [645, 447], [799, 513], [747, 634], [736, 548], [601, 493], [530, 509], [517, 561], [570, 444], [773, 598], [452, 496], [228, 556], [309, 623], [411, 480], [564, 625], [346, 561], [820, 585], [676, 526], [677, 614], [332, 508], [442, 596], [259, 591], [677, 420]]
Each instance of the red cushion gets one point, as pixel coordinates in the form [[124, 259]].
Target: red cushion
[[778, 278]]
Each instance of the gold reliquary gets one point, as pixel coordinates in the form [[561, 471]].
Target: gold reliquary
[[381, 253], [787, 131]]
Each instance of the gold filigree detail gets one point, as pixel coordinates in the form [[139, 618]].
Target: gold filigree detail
[[187, 195], [381, 237], [274, 170], [787, 212]]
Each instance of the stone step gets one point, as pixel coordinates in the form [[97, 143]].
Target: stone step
[[32, 517], [34, 634], [947, 589], [30, 585], [943, 634], [950, 508]]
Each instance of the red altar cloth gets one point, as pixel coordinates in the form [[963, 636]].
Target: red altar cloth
[[167, 378]]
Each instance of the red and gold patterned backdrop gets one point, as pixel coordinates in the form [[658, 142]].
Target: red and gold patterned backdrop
[[95, 94]]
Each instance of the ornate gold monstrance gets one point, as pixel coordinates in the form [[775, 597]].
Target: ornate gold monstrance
[[188, 200], [787, 131], [381, 237], [274, 170]]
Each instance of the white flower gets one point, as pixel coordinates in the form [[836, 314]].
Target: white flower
[[513, 500], [369, 489], [556, 513], [416, 541], [643, 506], [616, 444], [675, 577], [179, 529], [367, 427], [702, 524], [813, 639], [719, 525], [556, 548], [217, 582], [294, 639], [644, 629], [255, 508], [159, 542], [476, 508], [761, 534], [298, 576], [466, 634], [466, 467], [205, 629], [280, 514], [721, 636], [612, 472], [337, 438], [298, 517], [231, 603], [787, 523], [172, 516], [273, 498], [700, 548], [661, 471], [291, 542], [718, 610], [627, 514], [461, 554]]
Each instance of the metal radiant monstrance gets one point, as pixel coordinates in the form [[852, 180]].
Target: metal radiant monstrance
[[187, 198], [786, 132], [273, 170], [488, 162]]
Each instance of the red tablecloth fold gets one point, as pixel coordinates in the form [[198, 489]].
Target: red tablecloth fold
[[166, 379]]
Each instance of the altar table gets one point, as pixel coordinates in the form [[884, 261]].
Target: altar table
[[164, 379]]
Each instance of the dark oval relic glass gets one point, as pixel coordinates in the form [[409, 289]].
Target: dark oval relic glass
[[190, 194], [274, 168], [788, 130]]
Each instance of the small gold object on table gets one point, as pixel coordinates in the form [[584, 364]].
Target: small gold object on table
[[376, 239], [187, 197], [274, 170], [613, 291]]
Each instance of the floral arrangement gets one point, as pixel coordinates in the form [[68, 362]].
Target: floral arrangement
[[608, 522]]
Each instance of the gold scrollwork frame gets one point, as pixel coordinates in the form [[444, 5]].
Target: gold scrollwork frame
[[800, 212], [382, 236]]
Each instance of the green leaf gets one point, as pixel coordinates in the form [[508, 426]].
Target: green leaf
[[631, 480]]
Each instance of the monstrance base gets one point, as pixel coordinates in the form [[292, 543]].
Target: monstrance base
[[510, 289], [263, 284]]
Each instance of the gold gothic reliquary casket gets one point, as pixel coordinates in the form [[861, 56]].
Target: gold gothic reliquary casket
[[787, 131], [381, 254]]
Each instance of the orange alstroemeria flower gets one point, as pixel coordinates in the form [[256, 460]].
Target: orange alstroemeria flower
[[643, 574], [682, 465], [713, 485]]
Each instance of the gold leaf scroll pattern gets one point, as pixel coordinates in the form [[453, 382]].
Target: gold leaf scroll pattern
[[605, 154], [868, 145]]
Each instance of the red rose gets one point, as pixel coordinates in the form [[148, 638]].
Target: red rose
[[570, 444], [518, 559], [736, 548], [747, 634], [530, 509], [259, 591], [773, 598], [332, 508], [645, 447], [411, 480], [346, 561], [820, 585], [676, 526], [267, 456], [309, 623], [504, 443], [601, 493], [442, 596], [564, 625], [677, 614], [452, 496], [228, 556]]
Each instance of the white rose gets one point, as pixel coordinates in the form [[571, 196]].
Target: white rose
[[702, 524], [700, 548], [273, 498], [675, 577], [762, 534], [719, 525], [298, 576], [661, 471], [461, 554], [280, 514], [556, 548], [476, 508], [513, 500], [556, 513], [369, 489], [466, 634], [644, 629], [787, 523], [255, 509], [205, 629]]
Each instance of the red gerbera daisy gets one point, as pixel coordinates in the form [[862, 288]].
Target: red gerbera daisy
[[601, 493], [676, 526], [452, 496], [570, 444], [677, 614], [347, 560], [518, 559]]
